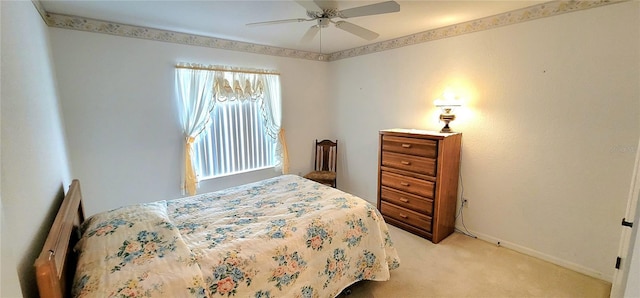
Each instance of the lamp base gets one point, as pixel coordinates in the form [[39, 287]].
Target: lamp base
[[446, 118], [446, 129]]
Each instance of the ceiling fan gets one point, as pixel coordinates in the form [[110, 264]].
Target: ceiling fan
[[323, 12]]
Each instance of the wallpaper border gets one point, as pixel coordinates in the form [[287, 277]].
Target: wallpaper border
[[534, 12], [112, 28]]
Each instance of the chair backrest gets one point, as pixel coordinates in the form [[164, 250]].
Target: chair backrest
[[326, 155]]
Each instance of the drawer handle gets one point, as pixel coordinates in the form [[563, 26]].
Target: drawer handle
[[404, 183], [406, 145], [403, 216], [406, 163], [404, 200]]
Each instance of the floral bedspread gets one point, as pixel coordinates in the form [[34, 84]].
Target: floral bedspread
[[280, 237]]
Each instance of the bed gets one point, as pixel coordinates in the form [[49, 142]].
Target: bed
[[281, 237]]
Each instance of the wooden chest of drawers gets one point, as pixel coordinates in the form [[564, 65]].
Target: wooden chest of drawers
[[418, 180]]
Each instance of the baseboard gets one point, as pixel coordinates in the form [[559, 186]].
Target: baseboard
[[542, 256]]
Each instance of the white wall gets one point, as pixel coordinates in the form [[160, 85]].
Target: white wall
[[34, 160], [550, 126], [125, 142]]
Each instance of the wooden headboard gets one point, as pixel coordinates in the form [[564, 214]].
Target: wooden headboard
[[56, 264]]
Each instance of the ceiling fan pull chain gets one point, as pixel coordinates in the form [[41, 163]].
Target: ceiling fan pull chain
[[320, 41]]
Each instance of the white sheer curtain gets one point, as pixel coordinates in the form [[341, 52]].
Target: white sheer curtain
[[272, 113], [195, 97], [199, 87]]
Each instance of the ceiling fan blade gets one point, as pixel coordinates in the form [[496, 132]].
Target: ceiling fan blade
[[311, 33], [309, 5], [357, 30], [367, 10], [279, 22], [326, 4]]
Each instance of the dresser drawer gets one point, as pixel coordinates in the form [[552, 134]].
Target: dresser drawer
[[411, 146], [406, 200], [407, 216], [417, 164], [412, 185]]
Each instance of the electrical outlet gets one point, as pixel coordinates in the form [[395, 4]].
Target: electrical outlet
[[465, 202]]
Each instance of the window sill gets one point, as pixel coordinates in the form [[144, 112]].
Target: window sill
[[238, 173]]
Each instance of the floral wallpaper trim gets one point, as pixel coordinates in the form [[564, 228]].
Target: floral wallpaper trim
[[98, 26], [543, 10]]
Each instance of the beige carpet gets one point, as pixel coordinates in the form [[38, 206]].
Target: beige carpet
[[461, 266]]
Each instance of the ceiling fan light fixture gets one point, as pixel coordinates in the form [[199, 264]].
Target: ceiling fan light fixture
[[324, 22]]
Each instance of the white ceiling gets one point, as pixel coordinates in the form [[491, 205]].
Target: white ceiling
[[228, 19]]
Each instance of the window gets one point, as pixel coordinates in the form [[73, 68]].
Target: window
[[231, 119], [236, 140]]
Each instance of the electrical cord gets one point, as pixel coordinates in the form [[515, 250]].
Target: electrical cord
[[460, 211]]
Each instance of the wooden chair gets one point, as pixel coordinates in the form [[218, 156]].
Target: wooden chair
[[325, 166]]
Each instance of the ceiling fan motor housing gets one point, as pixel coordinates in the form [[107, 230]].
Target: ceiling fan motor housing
[[324, 14]]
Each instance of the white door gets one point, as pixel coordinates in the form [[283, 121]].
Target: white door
[[623, 286]]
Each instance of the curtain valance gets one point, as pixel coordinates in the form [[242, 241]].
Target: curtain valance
[[232, 83], [245, 86]]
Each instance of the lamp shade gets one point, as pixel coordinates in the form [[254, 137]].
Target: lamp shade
[[447, 103]]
